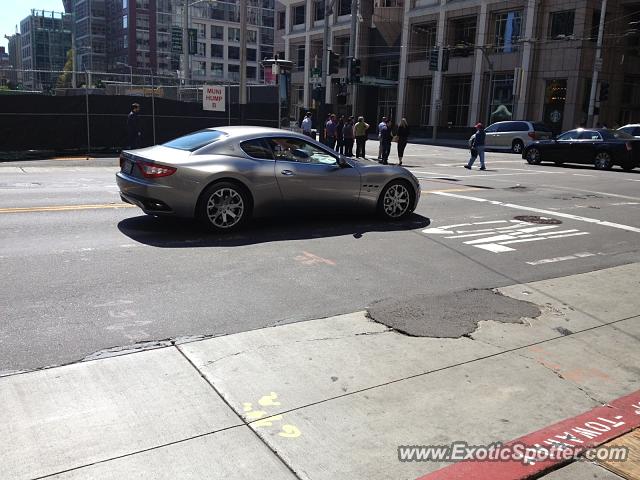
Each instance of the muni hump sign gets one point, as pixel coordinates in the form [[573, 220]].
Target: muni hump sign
[[213, 98]]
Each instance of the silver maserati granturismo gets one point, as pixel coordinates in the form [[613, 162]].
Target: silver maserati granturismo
[[224, 175]]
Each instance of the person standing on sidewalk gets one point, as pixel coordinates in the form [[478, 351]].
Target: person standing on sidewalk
[[403, 138], [133, 127], [330, 131], [339, 137], [347, 134], [382, 124], [360, 132], [307, 125], [385, 142], [478, 143]]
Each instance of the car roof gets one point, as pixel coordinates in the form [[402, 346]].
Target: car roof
[[630, 125]]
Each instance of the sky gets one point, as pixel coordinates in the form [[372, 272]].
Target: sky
[[13, 11]]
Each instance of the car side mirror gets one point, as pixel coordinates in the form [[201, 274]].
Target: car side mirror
[[342, 162]]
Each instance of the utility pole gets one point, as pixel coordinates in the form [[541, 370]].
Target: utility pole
[[242, 94], [597, 64], [352, 50], [328, 11], [186, 67]]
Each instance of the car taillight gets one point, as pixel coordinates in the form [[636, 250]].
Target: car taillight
[[629, 146], [121, 161], [532, 135], [151, 170]]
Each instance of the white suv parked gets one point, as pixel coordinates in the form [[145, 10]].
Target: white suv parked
[[515, 135]]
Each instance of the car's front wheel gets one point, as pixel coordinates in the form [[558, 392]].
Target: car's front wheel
[[396, 200], [533, 156], [223, 207], [603, 161]]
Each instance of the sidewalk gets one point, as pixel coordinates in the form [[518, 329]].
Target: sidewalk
[[332, 398]]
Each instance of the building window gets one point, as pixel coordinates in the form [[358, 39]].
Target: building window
[[233, 34], [234, 68], [463, 36], [217, 70], [217, 32], [251, 73], [501, 98], [508, 27], [458, 98], [202, 29], [423, 39], [252, 36], [341, 47], [251, 54], [318, 9], [298, 15], [282, 20], [389, 70], [595, 25], [217, 51], [561, 24], [344, 7], [233, 53], [202, 49], [554, 100], [300, 57]]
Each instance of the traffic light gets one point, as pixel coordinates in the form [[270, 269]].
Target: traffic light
[[433, 59], [334, 62], [354, 70], [604, 91]]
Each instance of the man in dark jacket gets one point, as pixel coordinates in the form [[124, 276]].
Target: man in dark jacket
[[133, 127], [478, 144]]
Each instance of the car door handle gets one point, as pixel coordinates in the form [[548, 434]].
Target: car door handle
[[288, 173]]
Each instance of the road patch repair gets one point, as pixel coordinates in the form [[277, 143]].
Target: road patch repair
[[337, 397], [449, 316]]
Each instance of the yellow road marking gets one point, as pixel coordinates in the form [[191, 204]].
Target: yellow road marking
[[63, 208], [468, 189]]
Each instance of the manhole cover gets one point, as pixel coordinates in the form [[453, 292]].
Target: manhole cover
[[538, 220]]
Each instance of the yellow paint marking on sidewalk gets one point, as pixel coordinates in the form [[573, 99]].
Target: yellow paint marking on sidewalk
[[63, 208], [468, 189]]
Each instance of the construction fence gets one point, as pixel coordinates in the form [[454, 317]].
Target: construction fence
[[92, 116]]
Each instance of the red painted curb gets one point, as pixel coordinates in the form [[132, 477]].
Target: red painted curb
[[588, 430]]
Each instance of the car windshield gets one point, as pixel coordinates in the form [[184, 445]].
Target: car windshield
[[620, 135], [195, 140]]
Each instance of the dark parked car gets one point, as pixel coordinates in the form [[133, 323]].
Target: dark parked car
[[600, 147]]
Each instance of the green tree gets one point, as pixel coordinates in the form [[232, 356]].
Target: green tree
[[64, 80]]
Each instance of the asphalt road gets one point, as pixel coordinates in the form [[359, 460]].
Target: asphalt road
[[82, 272]]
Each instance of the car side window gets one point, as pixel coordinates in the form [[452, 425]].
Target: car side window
[[297, 150], [636, 132], [589, 135], [506, 127], [491, 129], [570, 135], [520, 127], [257, 148]]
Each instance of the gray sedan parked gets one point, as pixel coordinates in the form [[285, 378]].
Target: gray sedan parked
[[222, 176]]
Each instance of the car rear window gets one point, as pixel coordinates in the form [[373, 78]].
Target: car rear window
[[195, 140], [617, 134], [541, 127]]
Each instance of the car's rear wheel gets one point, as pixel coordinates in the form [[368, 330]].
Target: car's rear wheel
[[396, 200], [223, 207], [517, 146], [628, 166], [603, 161], [534, 156]]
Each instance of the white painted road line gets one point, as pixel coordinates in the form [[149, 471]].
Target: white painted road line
[[542, 211], [582, 175], [562, 259]]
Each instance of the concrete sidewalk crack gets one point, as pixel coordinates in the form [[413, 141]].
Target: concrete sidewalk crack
[[562, 377]]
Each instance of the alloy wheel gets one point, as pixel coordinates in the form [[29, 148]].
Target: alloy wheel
[[603, 161], [225, 208], [396, 201], [533, 156]]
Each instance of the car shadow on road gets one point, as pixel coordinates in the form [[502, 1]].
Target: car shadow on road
[[577, 166], [178, 233]]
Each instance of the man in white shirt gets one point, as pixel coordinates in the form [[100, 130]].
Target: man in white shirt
[[307, 125]]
